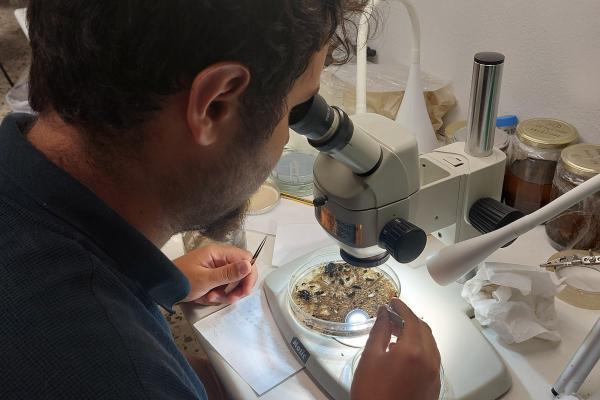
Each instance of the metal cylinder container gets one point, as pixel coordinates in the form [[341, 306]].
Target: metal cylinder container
[[483, 106]]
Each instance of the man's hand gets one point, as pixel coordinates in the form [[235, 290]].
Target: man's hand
[[408, 369], [209, 269]]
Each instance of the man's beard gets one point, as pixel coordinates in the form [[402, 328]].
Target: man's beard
[[215, 204]]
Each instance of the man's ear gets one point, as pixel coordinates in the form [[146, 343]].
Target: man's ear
[[214, 99]]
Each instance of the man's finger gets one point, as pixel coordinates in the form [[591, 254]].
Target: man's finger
[[411, 332], [380, 335], [215, 296], [401, 308], [405, 312], [224, 254], [247, 284], [244, 288], [430, 343], [229, 273]]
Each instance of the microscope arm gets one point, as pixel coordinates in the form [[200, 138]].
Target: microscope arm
[[452, 262]]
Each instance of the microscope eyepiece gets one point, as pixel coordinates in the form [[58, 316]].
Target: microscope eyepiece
[[330, 130], [313, 118]]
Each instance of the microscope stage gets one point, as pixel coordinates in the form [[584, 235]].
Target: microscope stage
[[471, 367]]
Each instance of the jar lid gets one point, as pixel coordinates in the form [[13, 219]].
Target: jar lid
[[546, 133], [582, 159]]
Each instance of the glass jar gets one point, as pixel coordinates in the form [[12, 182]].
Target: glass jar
[[579, 226], [532, 160]]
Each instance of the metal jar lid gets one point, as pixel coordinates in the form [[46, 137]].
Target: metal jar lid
[[547, 133], [582, 159]]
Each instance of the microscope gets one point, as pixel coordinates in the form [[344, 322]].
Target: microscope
[[377, 196]]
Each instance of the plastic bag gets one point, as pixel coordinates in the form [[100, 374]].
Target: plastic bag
[[386, 84]]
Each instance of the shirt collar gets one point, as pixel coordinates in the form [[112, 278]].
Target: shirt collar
[[66, 198]]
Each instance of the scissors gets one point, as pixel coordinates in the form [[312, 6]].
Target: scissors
[[590, 261]]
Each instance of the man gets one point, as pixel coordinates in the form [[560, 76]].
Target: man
[[155, 117]]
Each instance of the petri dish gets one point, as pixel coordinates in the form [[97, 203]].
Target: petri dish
[[264, 200], [294, 172], [325, 290], [582, 285]]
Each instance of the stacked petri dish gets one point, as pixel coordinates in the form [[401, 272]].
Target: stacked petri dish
[[294, 172]]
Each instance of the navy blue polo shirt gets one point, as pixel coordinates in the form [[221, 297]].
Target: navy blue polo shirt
[[79, 290]]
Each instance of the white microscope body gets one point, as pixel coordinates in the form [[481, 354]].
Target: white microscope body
[[377, 197], [434, 192]]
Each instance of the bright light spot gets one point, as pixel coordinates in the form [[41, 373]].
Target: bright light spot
[[357, 316]]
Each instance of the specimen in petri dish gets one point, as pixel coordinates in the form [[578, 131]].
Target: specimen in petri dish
[[331, 290]]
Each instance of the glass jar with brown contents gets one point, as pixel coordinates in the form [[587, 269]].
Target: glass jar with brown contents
[[532, 161], [579, 226]]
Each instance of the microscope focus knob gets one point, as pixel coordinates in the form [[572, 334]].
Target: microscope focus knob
[[403, 240], [487, 215], [320, 201]]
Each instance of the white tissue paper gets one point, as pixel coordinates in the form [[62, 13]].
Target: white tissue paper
[[516, 301]]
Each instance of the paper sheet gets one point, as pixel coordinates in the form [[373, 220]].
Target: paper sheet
[[295, 240], [286, 212], [246, 336]]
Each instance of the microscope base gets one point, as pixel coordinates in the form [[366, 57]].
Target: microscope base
[[472, 369]]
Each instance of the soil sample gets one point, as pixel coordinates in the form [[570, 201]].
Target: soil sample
[[332, 290]]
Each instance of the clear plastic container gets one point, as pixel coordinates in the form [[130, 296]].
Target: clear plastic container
[[195, 239], [17, 97], [328, 327]]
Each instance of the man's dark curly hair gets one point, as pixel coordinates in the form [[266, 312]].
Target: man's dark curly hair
[[106, 66]]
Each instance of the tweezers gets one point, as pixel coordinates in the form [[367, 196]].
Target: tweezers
[[258, 250], [229, 288], [395, 317]]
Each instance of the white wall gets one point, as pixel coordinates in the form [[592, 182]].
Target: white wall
[[552, 51]]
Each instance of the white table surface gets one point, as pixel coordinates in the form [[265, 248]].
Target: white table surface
[[534, 365]]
